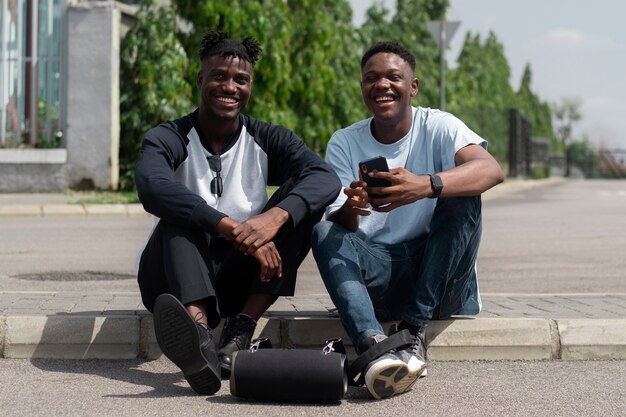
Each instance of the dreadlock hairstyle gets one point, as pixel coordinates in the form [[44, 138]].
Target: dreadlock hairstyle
[[217, 42], [389, 47]]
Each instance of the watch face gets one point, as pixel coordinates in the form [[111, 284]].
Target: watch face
[[437, 183]]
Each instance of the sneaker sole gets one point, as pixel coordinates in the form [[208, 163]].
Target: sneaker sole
[[177, 335], [389, 377]]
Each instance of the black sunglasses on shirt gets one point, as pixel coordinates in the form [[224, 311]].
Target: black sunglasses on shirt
[[217, 184]]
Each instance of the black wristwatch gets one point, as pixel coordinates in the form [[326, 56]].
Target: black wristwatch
[[436, 184]]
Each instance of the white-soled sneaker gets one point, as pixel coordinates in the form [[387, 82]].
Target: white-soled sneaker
[[389, 375], [414, 355]]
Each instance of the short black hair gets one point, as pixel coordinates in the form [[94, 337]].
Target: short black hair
[[216, 42], [390, 47]]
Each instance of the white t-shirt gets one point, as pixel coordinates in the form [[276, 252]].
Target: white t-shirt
[[429, 148]]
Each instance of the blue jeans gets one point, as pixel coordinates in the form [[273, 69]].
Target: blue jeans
[[431, 277]]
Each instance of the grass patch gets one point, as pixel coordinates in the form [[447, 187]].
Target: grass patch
[[108, 197], [121, 197]]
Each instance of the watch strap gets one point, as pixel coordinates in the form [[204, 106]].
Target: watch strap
[[436, 184]]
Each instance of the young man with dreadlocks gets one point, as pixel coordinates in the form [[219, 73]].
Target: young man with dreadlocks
[[405, 251], [220, 248]]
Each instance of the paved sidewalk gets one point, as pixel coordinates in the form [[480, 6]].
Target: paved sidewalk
[[114, 325], [540, 306]]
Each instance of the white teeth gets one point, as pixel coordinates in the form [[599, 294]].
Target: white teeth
[[385, 98], [227, 99]]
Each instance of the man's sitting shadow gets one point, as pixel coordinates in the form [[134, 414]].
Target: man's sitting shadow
[[90, 337]]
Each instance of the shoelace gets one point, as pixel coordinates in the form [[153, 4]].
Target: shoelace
[[417, 347], [200, 321], [238, 330]]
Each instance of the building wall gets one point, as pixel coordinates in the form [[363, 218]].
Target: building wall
[[92, 131], [91, 128]]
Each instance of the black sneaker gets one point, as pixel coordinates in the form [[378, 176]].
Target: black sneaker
[[388, 375], [236, 335], [415, 354], [188, 344]]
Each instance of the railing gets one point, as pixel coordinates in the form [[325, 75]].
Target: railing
[[520, 145]]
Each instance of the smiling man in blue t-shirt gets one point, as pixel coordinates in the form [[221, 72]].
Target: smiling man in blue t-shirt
[[409, 255]]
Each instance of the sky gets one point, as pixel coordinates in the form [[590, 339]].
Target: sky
[[576, 49]]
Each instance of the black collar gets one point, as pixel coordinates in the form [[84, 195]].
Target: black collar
[[231, 140]]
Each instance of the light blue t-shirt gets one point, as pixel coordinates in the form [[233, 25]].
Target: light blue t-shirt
[[429, 148]]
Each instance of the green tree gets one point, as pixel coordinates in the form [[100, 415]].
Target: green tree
[[530, 104], [479, 91], [325, 93], [481, 79], [585, 156], [152, 82]]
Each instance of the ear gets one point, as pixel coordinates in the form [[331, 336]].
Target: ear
[[199, 79], [414, 87]]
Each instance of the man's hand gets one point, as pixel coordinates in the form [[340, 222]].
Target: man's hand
[[252, 234], [257, 229], [356, 205], [270, 261], [358, 200], [405, 188]]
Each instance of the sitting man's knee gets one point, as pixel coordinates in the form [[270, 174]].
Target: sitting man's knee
[[320, 232]]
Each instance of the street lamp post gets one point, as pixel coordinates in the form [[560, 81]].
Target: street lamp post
[[442, 31]]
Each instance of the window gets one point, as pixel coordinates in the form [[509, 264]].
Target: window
[[31, 73]]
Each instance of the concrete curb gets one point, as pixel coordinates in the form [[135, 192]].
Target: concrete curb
[[515, 186], [130, 335], [34, 210]]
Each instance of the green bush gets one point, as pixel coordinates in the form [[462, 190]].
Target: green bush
[[540, 171], [152, 82]]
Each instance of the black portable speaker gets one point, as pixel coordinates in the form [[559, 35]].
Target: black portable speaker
[[289, 375]]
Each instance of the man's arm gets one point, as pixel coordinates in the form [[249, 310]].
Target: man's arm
[[163, 150], [475, 172]]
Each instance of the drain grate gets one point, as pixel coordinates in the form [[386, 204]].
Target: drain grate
[[74, 276]]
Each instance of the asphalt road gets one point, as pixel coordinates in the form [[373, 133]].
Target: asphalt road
[[136, 388], [568, 238]]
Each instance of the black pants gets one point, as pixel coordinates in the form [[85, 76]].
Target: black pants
[[193, 266]]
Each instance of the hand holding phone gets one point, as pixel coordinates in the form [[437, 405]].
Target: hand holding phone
[[378, 163]]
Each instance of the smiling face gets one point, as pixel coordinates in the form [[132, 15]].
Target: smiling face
[[225, 85], [387, 85]]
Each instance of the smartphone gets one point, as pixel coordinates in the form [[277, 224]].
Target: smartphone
[[378, 163]]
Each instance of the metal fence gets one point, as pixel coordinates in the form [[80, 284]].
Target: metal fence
[[509, 133], [612, 163], [520, 144]]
